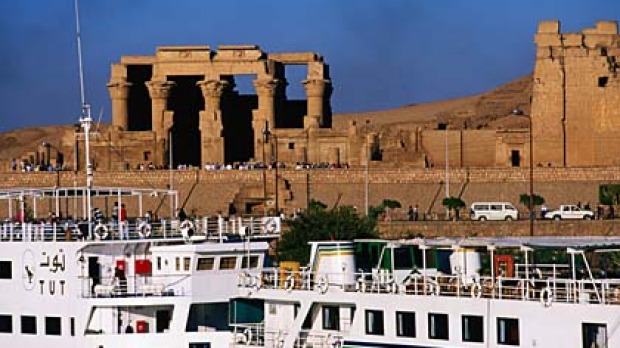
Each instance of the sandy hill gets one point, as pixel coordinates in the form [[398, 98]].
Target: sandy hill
[[490, 110]]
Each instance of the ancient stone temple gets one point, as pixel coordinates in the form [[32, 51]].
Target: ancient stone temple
[[183, 100], [576, 96]]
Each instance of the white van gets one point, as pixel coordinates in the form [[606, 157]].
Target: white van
[[493, 211]]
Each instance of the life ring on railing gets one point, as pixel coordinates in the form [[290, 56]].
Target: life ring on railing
[[360, 284], [332, 341], [186, 227], [247, 334], [144, 230], [616, 295], [242, 280], [254, 282], [101, 231], [546, 297], [289, 283], [433, 289], [270, 225], [321, 284], [476, 290], [279, 339]]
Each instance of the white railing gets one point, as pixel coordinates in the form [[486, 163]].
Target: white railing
[[207, 227], [547, 290], [135, 286]]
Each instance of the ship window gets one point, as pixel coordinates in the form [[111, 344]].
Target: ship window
[[438, 326], [200, 345], [205, 264], [52, 326], [594, 335], [6, 270], [228, 262], [331, 318], [374, 322], [177, 263], [186, 263], [473, 329], [6, 323], [508, 331], [159, 263], [403, 258], [253, 262], [29, 324], [405, 324]]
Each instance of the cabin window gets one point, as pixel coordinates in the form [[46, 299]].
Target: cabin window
[[473, 329], [200, 345], [228, 262], [205, 264], [72, 326], [253, 262], [438, 326], [159, 263], [403, 258], [508, 331], [6, 270], [594, 335], [405, 324], [177, 263], [52, 326], [186, 263], [331, 318], [6, 323], [374, 322], [29, 324]]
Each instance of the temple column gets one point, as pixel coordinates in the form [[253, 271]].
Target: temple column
[[159, 92], [119, 92], [315, 96], [265, 117], [211, 127]]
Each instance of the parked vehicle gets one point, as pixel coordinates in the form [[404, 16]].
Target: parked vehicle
[[493, 211], [569, 211]]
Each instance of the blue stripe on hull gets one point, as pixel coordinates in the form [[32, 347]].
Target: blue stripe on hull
[[359, 344]]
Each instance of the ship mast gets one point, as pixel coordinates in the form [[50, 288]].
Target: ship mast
[[85, 119]]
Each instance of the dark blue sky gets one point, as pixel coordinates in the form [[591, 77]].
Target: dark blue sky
[[382, 53]]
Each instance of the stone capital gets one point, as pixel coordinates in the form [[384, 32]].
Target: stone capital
[[213, 88], [266, 86], [119, 89], [159, 89], [316, 87]]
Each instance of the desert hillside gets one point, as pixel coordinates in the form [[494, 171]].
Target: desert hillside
[[490, 110]]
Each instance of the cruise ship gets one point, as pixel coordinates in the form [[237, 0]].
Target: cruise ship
[[471, 292], [133, 283]]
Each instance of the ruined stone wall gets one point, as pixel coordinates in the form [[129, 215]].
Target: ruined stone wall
[[210, 192]]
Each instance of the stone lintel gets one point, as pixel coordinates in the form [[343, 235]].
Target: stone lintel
[[184, 53], [545, 40], [296, 57], [138, 60], [238, 52]]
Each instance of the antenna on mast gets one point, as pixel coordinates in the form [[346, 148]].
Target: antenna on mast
[[85, 120]]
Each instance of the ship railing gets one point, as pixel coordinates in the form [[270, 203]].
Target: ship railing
[[206, 228], [546, 290], [319, 339], [135, 286]]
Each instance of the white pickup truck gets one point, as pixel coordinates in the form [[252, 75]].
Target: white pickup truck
[[569, 212]]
